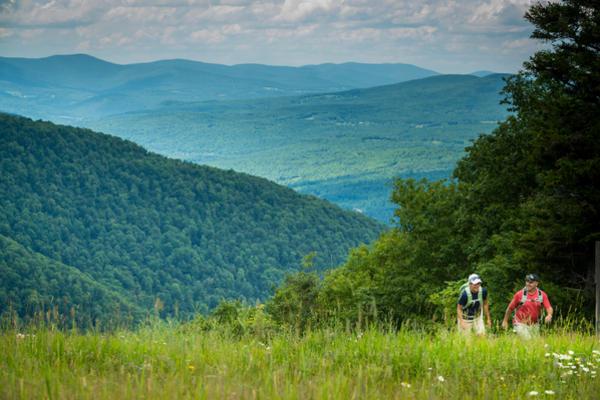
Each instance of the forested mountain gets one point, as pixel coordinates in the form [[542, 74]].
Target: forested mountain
[[345, 147], [96, 222], [71, 87]]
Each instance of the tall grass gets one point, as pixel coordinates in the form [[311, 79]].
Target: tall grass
[[169, 360]]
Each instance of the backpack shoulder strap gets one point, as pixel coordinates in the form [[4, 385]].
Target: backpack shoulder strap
[[523, 296], [469, 297]]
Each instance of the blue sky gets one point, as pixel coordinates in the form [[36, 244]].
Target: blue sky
[[448, 36]]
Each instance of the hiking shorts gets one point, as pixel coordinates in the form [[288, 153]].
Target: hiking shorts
[[473, 325], [526, 331]]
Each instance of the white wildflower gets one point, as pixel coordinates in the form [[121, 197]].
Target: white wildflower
[[20, 336], [532, 393], [405, 384], [562, 356], [550, 392], [571, 352], [440, 378], [547, 355]]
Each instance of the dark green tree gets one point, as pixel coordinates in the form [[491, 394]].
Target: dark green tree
[[536, 179], [524, 198]]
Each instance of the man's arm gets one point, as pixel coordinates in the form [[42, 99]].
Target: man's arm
[[549, 309], [486, 310], [507, 315], [459, 315], [509, 311]]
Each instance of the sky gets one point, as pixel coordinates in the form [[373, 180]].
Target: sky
[[447, 36]]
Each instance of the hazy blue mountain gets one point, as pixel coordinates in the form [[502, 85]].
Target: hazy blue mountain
[[68, 87], [96, 223], [483, 73], [344, 146]]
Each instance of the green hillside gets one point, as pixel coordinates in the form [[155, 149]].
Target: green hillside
[[345, 146], [128, 227], [32, 283], [71, 87]]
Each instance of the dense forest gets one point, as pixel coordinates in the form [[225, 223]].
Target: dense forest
[[101, 228], [525, 198]]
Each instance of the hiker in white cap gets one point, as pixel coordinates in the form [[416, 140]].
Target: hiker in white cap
[[472, 304]]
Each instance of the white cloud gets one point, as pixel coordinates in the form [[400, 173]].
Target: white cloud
[[139, 15], [435, 33], [421, 32], [300, 10], [206, 36], [5, 33]]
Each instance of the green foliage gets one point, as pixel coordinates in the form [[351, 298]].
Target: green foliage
[[231, 318], [538, 175], [446, 299], [348, 293], [101, 222], [393, 280], [294, 304]]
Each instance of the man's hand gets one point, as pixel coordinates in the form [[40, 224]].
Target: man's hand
[[504, 324], [548, 319]]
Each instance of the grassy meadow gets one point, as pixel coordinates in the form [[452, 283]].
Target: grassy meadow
[[172, 360]]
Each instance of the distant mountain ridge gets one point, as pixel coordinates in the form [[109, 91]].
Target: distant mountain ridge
[[81, 86], [343, 146], [97, 223], [484, 73]]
